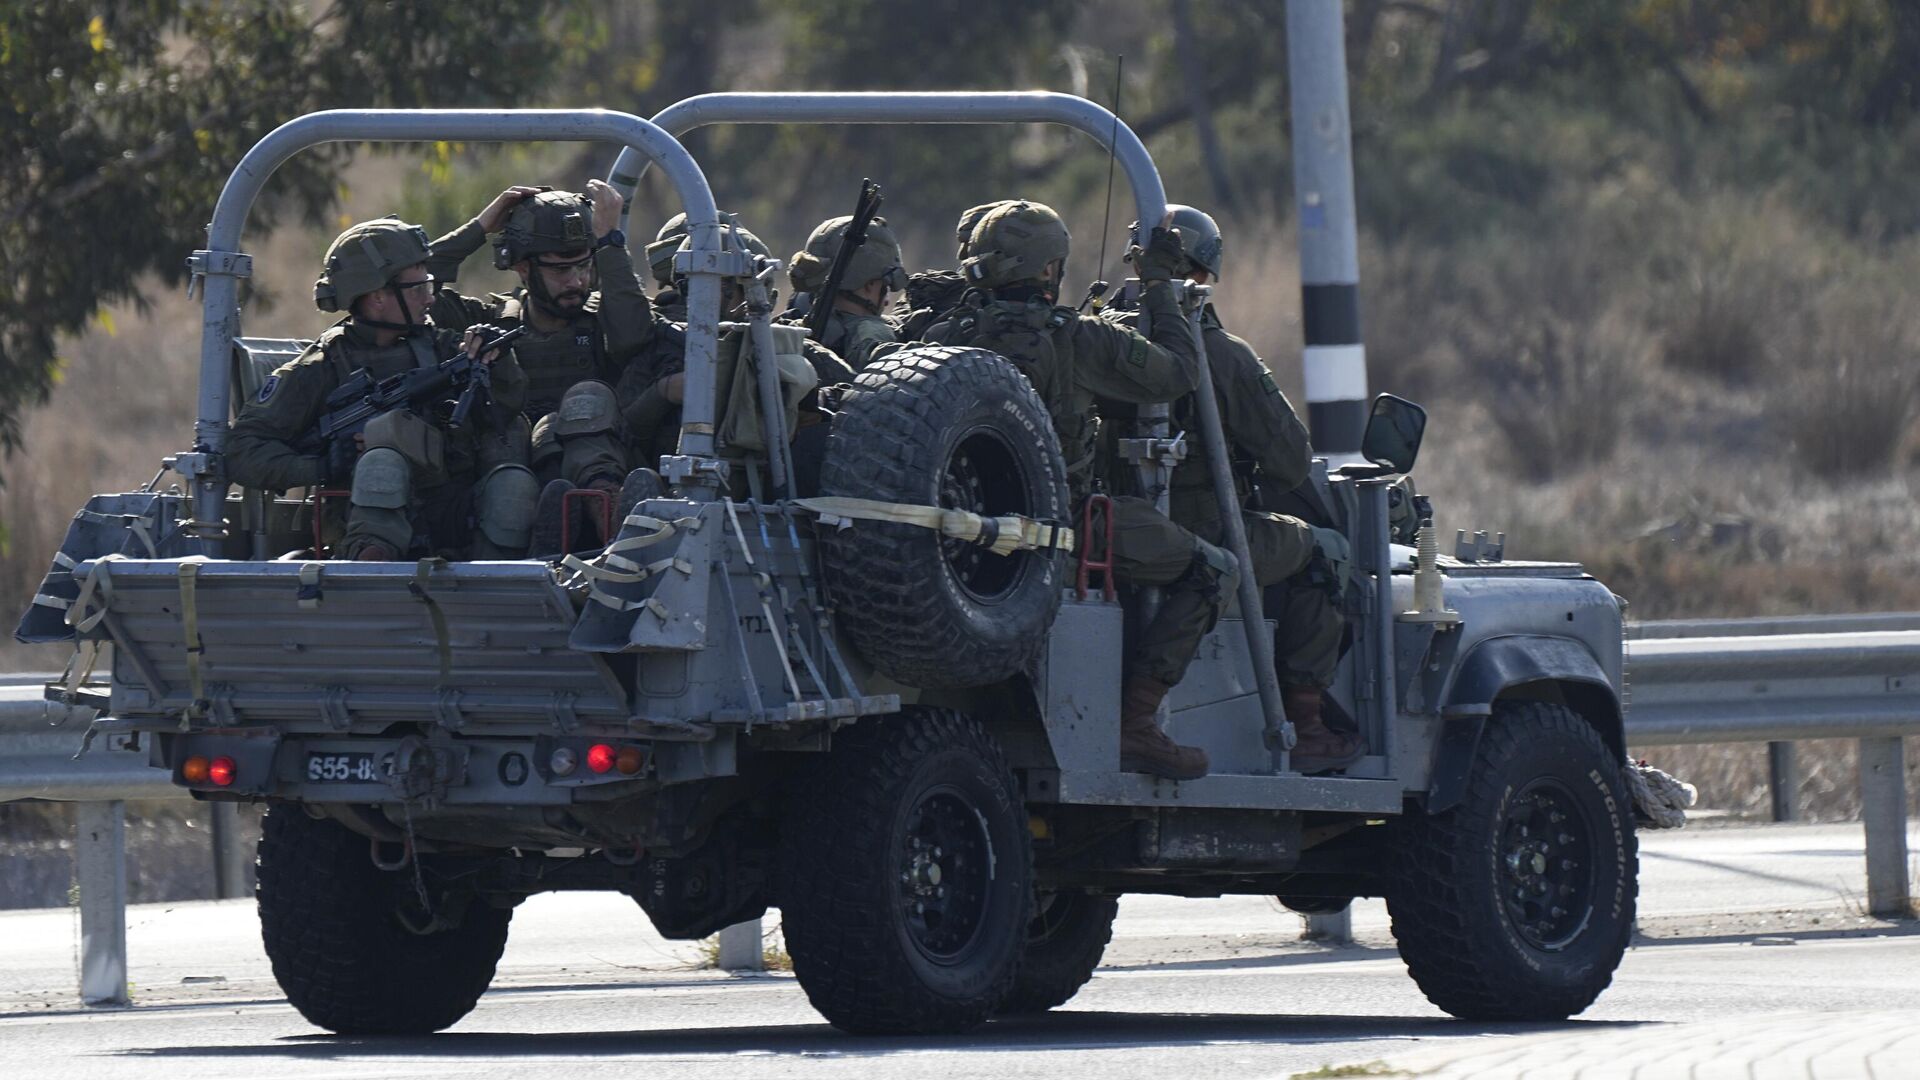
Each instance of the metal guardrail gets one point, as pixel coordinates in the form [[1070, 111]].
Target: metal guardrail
[[1697, 681]]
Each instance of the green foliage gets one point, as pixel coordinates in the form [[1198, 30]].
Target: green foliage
[[118, 125]]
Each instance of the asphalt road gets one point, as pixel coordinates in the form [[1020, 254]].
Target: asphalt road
[[1753, 953]]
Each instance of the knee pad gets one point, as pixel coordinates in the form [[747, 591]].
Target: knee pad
[[383, 478], [587, 408], [503, 506], [545, 447]]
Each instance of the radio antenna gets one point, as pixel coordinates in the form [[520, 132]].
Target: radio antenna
[[1106, 218]]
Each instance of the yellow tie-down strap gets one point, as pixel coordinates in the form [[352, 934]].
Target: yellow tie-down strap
[[1000, 535]]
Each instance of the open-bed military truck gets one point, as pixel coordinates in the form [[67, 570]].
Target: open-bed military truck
[[897, 724]]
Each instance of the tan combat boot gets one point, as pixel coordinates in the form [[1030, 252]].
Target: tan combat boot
[[1317, 748], [1144, 747]]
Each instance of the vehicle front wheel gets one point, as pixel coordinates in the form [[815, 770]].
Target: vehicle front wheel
[[1517, 904], [906, 883]]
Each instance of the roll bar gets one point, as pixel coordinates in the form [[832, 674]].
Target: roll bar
[[1150, 204], [217, 270], [959, 107]]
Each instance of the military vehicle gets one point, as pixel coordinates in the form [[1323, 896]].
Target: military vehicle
[[891, 712]]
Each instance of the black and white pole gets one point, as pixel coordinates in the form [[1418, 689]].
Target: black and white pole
[[1335, 362]]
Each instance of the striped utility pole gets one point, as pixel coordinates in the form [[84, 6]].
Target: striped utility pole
[[1334, 360]]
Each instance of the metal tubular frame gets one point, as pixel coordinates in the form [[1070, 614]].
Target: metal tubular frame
[[1150, 205], [220, 267]]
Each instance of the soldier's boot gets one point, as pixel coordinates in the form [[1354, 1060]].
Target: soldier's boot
[[1317, 748], [640, 485], [374, 551], [1144, 748], [549, 522]]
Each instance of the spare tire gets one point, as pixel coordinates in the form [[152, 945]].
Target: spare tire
[[960, 429]]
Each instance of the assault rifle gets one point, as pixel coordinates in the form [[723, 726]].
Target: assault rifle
[[358, 400], [850, 242]]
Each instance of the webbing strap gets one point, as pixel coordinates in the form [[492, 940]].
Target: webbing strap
[[190, 632], [419, 588], [1000, 535], [60, 603], [612, 566], [80, 614]]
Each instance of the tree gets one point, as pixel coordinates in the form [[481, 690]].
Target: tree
[[119, 122]]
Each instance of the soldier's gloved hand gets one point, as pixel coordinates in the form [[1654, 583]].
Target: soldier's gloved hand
[[1164, 258]]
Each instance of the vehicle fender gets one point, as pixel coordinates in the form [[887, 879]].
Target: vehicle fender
[[1517, 667]]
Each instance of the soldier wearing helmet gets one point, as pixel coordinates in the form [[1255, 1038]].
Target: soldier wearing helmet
[[855, 328], [587, 320], [1265, 439], [670, 301], [1013, 260], [418, 485], [650, 394]]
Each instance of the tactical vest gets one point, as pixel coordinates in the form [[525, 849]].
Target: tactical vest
[[553, 362], [415, 350], [1038, 338]]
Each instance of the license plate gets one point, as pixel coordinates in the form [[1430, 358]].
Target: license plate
[[342, 768]]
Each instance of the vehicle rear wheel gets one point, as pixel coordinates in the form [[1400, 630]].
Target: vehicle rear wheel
[[907, 876], [336, 929], [1518, 903], [960, 429], [1068, 935]]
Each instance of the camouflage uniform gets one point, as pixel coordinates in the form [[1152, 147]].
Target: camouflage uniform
[[1263, 433], [572, 370], [1074, 360], [406, 495], [851, 334], [1262, 430], [642, 394]]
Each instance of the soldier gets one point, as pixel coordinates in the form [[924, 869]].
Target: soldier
[[1263, 432], [1016, 257], [580, 338], [873, 272], [930, 294], [417, 484], [650, 393], [669, 300]]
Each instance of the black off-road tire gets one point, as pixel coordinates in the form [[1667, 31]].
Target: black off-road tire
[[1545, 826], [1068, 935], [958, 428], [329, 920], [896, 798]]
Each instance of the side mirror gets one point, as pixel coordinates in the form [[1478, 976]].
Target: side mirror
[[1394, 428]]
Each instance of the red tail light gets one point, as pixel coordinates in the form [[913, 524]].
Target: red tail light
[[600, 757], [222, 771]]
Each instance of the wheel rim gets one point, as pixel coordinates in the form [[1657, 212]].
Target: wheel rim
[[983, 477], [946, 873], [1547, 865], [1052, 911]]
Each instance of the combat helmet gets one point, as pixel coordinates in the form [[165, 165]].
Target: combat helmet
[[543, 224], [365, 258], [1013, 243], [878, 257], [667, 241], [1199, 236], [963, 230]]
